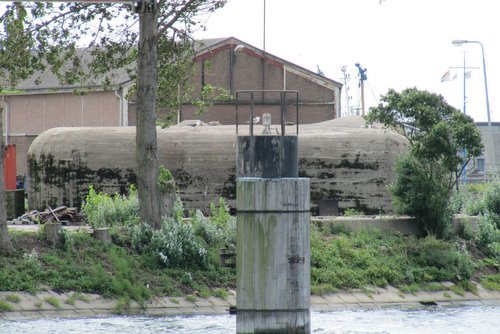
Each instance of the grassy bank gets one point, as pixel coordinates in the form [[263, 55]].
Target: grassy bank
[[339, 261], [182, 258]]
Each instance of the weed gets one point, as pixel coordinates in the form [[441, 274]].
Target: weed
[[446, 294], [122, 305], [51, 300], [77, 296], [81, 297], [491, 282], [351, 212], [191, 298], [220, 293], [204, 292], [6, 307], [103, 210], [322, 289], [13, 298], [71, 300], [174, 300], [458, 290], [38, 305]]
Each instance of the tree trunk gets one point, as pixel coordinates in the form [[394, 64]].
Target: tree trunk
[[146, 145], [5, 244]]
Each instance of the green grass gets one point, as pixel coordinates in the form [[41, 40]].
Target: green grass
[[5, 306], [491, 282], [191, 298], [13, 298], [51, 300], [220, 293], [345, 261], [77, 296], [339, 261]]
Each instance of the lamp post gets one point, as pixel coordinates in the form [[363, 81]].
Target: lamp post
[[459, 42]]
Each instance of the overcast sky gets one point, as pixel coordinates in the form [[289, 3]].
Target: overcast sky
[[401, 43]]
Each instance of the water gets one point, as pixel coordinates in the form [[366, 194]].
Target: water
[[436, 320]]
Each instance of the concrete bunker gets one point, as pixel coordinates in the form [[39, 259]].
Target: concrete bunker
[[345, 161]]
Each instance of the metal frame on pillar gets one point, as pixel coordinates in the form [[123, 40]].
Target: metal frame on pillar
[[273, 246]]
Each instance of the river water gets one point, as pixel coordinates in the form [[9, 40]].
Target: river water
[[435, 320]]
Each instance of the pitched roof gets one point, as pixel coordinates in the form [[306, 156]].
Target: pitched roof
[[210, 46], [47, 82]]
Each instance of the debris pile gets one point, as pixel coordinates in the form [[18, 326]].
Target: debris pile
[[62, 214]]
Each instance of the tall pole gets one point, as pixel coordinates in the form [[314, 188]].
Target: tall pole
[[493, 155], [488, 113], [464, 169]]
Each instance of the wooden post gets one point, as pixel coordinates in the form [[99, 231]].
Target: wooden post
[[102, 234], [53, 233]]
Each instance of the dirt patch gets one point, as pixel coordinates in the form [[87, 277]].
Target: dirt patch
[[27, 243]]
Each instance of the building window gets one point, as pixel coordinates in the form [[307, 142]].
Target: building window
[[480, 165]]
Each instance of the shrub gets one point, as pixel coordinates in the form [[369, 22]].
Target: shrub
[[175, 244], [103, 210], [487, 234], [421, 192]]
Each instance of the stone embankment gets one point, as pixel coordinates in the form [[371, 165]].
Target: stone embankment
[[69, 305]]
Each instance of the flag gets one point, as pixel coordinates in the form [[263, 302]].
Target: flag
[[446, 76], [467, 75]]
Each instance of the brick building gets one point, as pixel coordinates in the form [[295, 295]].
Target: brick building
[[228, 63], [234, 65]]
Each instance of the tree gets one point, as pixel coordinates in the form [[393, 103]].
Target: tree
[[438, 136], [61, 34], [5, 244]]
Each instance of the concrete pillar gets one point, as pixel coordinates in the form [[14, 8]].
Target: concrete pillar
[[272, 248]]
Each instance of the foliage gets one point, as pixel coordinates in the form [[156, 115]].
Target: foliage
[[342, 261], [103, 210], [175, 244], [421, 193], [436, 131], [51, 300], [491, 282], [6, 307], [484, 202], [209, 95], [13, 298], [438, 135], [180, 244], [165, 180], [352, 212]]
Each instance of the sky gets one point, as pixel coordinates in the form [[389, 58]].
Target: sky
[[401, 43]]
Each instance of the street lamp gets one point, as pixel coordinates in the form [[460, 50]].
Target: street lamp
[[459, 42]]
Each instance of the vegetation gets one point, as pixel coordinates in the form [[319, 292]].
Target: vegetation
[[344, 261], [6, 307], [442, 140]]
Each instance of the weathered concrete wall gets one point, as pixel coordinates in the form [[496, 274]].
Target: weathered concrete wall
[[344, 160]]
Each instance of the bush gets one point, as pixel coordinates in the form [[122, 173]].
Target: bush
[[341, 261], [103, 210], [218, 231], [175, 244], [422, 194]]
